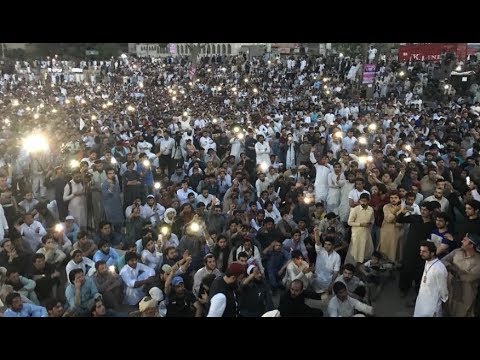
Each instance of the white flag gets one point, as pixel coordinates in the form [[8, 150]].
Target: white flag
[[82, 124]]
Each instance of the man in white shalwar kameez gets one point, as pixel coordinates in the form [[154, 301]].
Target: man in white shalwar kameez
[[433, 286], [77, 206], [3, 224], [134, 275], [321, 178], [327, 264], [262, 149], [333, 196]]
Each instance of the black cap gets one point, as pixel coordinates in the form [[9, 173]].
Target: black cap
[[331, 215], [474, 239]]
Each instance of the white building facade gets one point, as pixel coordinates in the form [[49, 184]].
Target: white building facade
[[184, 49]]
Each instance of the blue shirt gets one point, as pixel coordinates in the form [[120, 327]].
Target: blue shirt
[[289, 245], [28, 310], [111, 258], [147, 179], [87, 294], [72, 235], [444, 241], [275, 261]]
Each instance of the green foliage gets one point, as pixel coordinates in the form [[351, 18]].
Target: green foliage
[[77, 50], [348, 49], [17, 54]]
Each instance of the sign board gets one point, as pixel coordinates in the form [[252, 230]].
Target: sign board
[[430, 51], [172, 48], [192, 71], [286, 45], [91, 52], [369, 73]]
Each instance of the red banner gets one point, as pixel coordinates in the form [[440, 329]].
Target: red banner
[[430, 51]]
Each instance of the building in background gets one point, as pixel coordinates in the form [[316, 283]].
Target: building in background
[[206, 49]]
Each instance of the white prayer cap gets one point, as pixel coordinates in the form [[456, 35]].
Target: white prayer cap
[[273, 313]]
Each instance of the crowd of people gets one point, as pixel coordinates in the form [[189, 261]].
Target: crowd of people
[[235, 187]]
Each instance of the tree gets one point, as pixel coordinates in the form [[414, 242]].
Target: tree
[[195, 49], [17, 54], [77, 50], [348, 49], [107, 50]]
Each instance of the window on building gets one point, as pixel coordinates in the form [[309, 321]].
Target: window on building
[[208, 49], [224, 49], [229, 49], [218, 49]]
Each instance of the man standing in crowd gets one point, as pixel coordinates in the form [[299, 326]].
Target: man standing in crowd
[[463, 267], [433, 287]]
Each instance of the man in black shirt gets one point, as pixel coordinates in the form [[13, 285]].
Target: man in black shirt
[[182, 303], [223, 295], [58, 182], [46, 277], [292, 303]]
